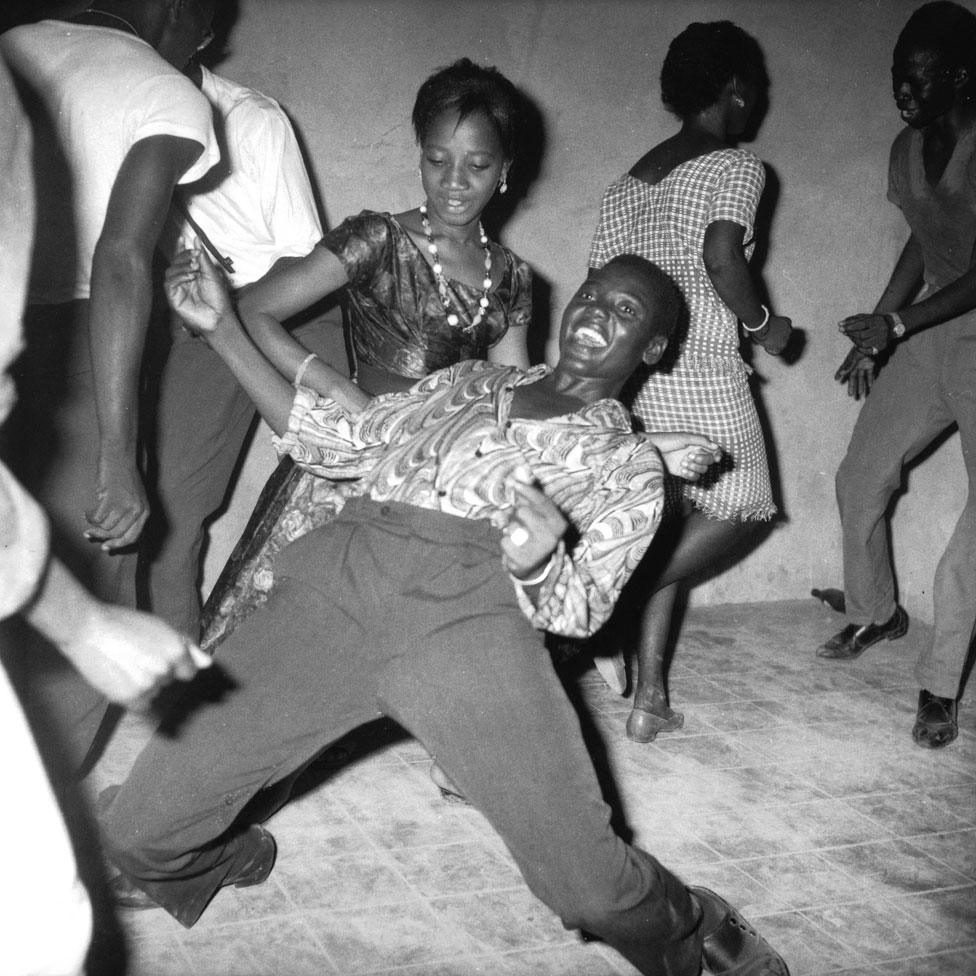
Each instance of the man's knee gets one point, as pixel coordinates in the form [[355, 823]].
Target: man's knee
[[861, 488]]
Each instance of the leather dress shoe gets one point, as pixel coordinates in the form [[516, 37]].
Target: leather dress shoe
[[731, 945], [253, 871], [853, 641], [936, 722]]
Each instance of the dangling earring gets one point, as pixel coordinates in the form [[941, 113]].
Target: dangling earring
[[739, 101], [503, 183]]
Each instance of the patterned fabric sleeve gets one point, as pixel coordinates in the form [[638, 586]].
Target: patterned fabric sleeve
[[324, 440], [577, 597], [519, 311], [613, 228], [360, 243], [736, 195]]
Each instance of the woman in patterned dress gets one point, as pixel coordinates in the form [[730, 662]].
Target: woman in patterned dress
[[425, 289], [688, 205]]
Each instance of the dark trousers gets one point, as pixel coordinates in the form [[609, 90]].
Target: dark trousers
[[51, 442], [393, 610], [201, 423], [926, 386], [202, 419]]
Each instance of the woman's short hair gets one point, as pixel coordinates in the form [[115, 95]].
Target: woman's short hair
[[466, 88], [944, 28], [703, 59]]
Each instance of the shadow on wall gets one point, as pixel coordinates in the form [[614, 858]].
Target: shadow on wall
[[525, 171], [16, 12]]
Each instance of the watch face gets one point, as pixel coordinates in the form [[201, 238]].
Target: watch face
[[898, 330]]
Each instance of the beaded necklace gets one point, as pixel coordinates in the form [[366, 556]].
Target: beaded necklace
[[442, 287]]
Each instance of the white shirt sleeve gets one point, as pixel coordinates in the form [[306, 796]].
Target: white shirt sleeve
[[23, 544]]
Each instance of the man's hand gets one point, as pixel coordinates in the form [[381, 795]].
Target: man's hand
[[121, 508], [870, 333], [196, 291], [857, 371], [130, 656], [686, 455], [777, 335], [534, 529]]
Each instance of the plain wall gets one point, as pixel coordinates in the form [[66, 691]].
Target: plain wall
[[347, 73]]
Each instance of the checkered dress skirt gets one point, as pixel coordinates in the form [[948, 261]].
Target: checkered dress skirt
[[706, 388]]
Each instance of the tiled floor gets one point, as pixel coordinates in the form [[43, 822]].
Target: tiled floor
[[794, 789]]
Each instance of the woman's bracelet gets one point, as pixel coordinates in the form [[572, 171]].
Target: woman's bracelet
[[300, 372], [762, 325], [539, 577]]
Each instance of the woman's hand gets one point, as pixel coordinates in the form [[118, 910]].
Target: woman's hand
[[196, 291], [870, 332], [534, 529], [857, 371], [685, 454], [776, 335]]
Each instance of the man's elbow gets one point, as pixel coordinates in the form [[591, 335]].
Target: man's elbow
[[118, 262]]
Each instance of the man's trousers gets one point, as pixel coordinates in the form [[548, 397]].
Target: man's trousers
[[928, 384], [394, 610]]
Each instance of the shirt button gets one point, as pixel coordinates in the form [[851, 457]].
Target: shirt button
[[441, 492], [384, 509]]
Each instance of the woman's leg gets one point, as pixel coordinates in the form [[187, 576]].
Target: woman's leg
[[702, 543]]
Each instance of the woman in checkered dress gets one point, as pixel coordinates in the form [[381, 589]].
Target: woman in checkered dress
[[688, 205]]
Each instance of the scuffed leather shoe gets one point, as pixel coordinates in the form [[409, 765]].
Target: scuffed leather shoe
[[936, 723], [853, 641], [731, 946]]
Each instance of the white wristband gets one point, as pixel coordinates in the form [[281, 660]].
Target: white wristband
[[300, 372], [762, 325]]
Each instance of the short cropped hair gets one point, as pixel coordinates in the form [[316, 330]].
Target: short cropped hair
[[703, 59], [667, 299], [944, 28], [466, 88]]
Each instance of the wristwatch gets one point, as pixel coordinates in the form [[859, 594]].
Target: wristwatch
[[897, 326]]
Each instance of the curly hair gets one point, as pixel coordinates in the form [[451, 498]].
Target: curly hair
[[466, 88], [703, 59], [944, 28]]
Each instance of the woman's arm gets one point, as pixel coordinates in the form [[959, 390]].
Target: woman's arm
[[728, 270], [512, 349], [197, 293], [285, 292]]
